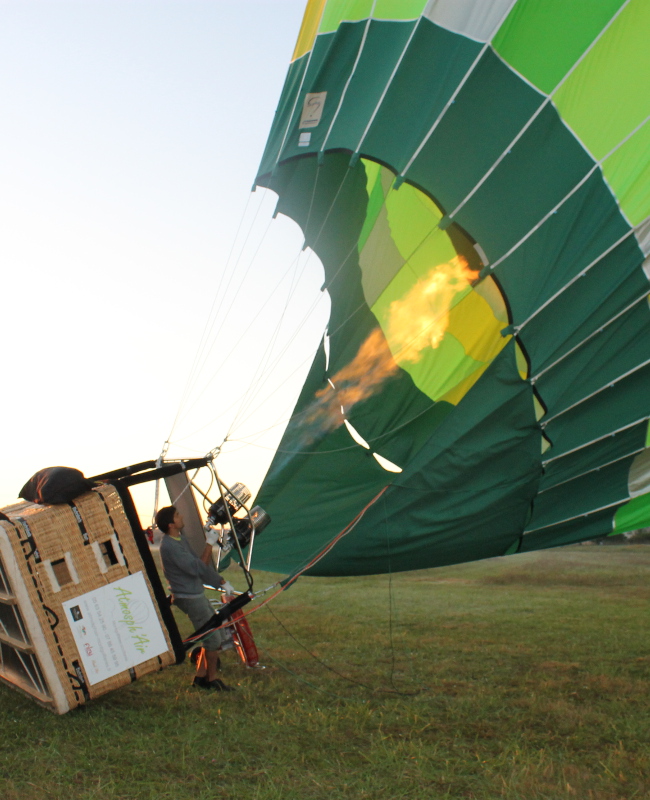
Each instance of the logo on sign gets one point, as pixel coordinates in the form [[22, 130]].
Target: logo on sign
[[312, 109]]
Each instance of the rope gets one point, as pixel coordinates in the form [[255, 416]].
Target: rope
[[305, 681], [261, 368], [312, 246], [379, 436], [287, 582], [390, 598], [179, 416], [223, 318], [295, 575], [212, 315], [393, 690]]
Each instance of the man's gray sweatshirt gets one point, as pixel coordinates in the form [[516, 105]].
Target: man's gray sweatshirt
[[185, 572]]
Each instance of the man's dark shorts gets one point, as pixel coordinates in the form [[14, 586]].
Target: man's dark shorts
[[199, 610]]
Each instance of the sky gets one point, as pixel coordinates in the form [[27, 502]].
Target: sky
[[134, 256]]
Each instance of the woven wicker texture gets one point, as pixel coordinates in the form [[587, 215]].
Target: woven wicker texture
[[62, 552]]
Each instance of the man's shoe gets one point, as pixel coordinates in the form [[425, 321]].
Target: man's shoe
[[218, 686]]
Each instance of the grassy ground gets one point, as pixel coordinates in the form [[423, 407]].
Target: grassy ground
[[521, 678]]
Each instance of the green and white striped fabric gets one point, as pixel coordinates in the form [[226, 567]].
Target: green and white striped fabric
[[473, 175]]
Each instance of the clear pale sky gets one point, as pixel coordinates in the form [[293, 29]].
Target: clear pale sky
[[130, 137]]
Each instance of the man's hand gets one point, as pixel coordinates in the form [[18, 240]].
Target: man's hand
[[228, 588], [211, 537]]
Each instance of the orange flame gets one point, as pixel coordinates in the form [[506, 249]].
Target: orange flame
[[420, 318], [357, 381], [415, 322]]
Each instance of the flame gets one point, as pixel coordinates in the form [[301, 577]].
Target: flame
[[357, 381], [420, 319], [415, 323]]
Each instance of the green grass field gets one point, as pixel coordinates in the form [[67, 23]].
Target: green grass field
[[524, 678]]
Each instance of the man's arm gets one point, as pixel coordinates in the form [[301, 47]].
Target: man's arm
[[206, 558]]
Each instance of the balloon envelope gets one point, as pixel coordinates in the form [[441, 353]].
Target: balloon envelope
[[474, 178]]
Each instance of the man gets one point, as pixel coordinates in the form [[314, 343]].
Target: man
[[186, 574]]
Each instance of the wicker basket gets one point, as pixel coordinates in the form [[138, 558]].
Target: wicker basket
[[79, 612]]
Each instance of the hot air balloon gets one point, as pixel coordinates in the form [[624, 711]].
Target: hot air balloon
[[474, 178]]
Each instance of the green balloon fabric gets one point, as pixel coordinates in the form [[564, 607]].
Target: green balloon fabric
[[473, 176]]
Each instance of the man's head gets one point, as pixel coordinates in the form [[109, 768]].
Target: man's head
[[168, 517]]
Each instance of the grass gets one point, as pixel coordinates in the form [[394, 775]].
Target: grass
[[523, 678]]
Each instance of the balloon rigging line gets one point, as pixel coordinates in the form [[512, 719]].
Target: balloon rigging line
[[313, 655], [293, 266], [625, 499], [391, 607], [267, 300], [473, 66], [259, 375], [260, 372], [235, 402], [351, 75], [600, 329], [305, 681], [293, 577], [445, 108], [388, 84], [261, 368], [570, 194], [393, 690], [609, 385], [223, 413], [225, 316], [215, 308], [390, 596], [344, 261], [245, 444], [242, 280], [279, 356], [259, 382], [339, 449], [575, 278], [312, 244], [212, 315], [296, 416], [548, 99], [298, 368], [188, 449], [234, 347], [302, 83], [607, 435], [593, 469], [216, 334]]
